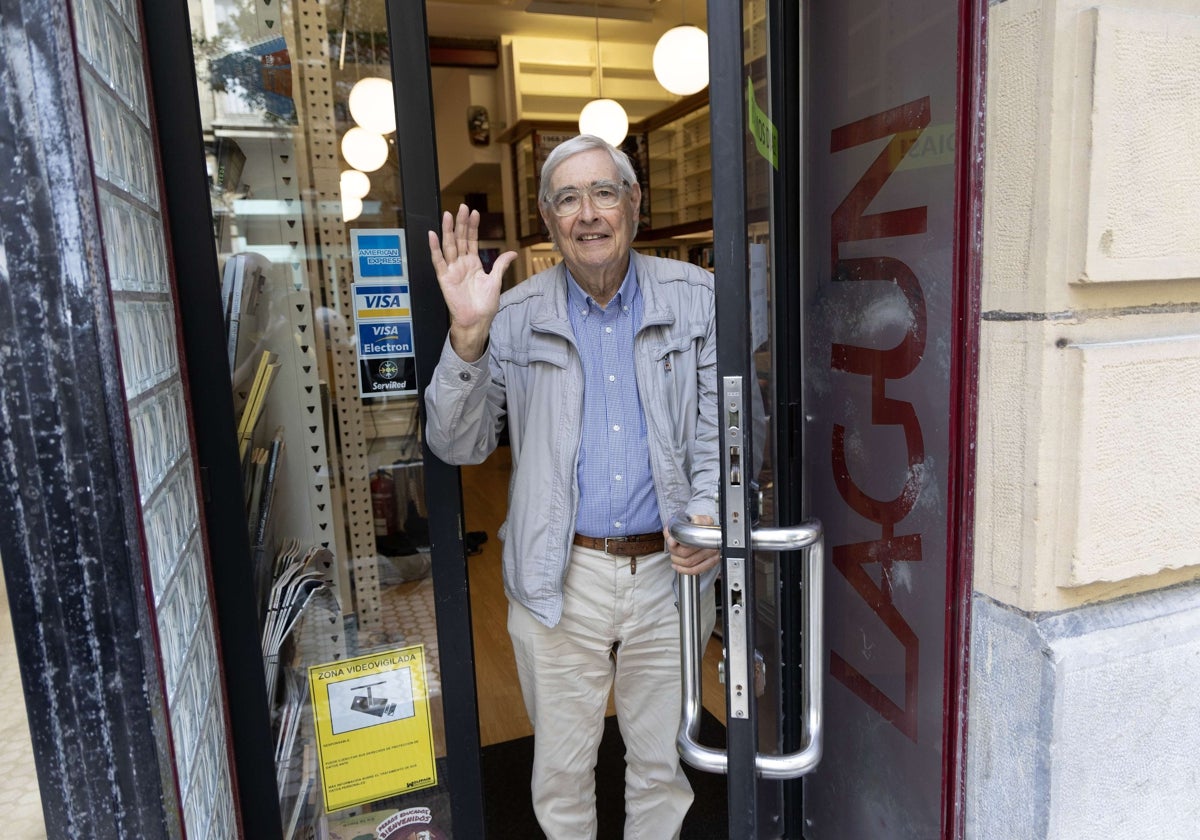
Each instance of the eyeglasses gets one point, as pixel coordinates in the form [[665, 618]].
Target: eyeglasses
[[605, 195]]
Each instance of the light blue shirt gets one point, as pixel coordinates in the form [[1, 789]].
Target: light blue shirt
[[616, 489]]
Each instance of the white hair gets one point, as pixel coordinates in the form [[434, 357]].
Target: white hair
[[584, 143]]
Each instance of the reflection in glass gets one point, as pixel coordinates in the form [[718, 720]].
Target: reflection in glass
[[291, 92]]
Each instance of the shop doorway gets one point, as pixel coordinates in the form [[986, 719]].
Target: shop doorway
[[849, 175], [832, 216], [505, 735], [764, 807]]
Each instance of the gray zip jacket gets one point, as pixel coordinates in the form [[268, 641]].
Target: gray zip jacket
[[533, 372]]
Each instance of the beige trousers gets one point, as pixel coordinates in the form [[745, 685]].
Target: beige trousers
[[620, 633]]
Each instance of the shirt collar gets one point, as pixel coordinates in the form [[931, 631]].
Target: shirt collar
[[580, 301]]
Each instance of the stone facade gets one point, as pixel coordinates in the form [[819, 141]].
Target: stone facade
[[1085, 657]]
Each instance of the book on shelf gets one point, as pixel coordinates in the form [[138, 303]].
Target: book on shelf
[[264, 375], [295, 772], [306, 781], [235, 283], [242, 281], [271, 455], [252, 478], [265, 465]]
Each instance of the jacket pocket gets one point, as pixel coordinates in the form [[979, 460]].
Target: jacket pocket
[[677, 343], [538, 349], [676, 362]]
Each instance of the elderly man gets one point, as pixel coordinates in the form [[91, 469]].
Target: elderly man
[[605, 367]]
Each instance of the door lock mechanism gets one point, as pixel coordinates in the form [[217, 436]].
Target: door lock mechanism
[[760, 672]]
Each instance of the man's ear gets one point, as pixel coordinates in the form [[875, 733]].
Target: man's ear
[[635, 207], [549, 225]]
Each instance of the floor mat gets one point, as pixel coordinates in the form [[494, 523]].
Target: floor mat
[[508, 811]]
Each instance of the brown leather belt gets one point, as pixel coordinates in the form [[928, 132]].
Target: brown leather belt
[[634, 545]]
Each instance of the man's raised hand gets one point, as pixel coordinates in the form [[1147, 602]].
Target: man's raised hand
[[472, 294]]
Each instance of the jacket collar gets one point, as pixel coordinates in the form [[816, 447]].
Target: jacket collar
[[654, 309], [551, 314]]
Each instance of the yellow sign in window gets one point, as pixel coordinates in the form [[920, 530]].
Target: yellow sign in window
[[373, 726]]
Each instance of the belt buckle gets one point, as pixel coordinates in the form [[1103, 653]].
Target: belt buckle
[[606, 551]]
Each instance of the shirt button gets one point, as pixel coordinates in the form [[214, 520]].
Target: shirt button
[[612, 378], [464, 376], [617, 476], [618, 524], [608, 329], [616, 427]]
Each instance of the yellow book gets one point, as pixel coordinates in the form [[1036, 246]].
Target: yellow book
[[263, 376]]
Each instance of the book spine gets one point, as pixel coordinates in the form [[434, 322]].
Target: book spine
[[235, 309]]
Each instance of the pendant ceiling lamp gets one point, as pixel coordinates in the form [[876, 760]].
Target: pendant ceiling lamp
[[606, 119], [355, 183], [602, 117], [681, 59], [364, 150], [351, 208], [372, 106]]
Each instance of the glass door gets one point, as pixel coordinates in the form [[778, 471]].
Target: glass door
[[841, 323], [770, 585], [330, 319], [883, 350]]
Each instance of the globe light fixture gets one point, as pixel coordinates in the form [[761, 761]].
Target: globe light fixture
[[372, 106], [364, 150], [354, 183], [606, 119], [681, 60], [602, 117], [351, 208]]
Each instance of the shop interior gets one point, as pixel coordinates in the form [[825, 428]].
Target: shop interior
[[547, 76]]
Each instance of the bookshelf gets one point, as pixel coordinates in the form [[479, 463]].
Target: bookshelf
[[288, 492], [275, 348], [681, 171]]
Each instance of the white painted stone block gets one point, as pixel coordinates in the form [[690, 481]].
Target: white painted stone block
[[1131, 465], [1088, 458], [1143, 179], [1016, 83], [1092, 155]]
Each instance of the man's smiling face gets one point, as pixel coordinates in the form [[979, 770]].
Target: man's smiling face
[[594, 242]]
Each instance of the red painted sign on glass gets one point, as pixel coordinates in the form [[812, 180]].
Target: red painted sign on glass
[[851, 223]]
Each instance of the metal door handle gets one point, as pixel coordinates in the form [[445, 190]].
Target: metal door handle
[[807, 535]]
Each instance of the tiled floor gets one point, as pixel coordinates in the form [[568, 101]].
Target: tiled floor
[[20, 804]]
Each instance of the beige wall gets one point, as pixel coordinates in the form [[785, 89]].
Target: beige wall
[[1088, 482], [458, 88]]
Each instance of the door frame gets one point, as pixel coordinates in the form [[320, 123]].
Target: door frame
[[748, 795], [421, 192], [188, 212], [172, 81], [788, 92], [728, 138], [964, 400]]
